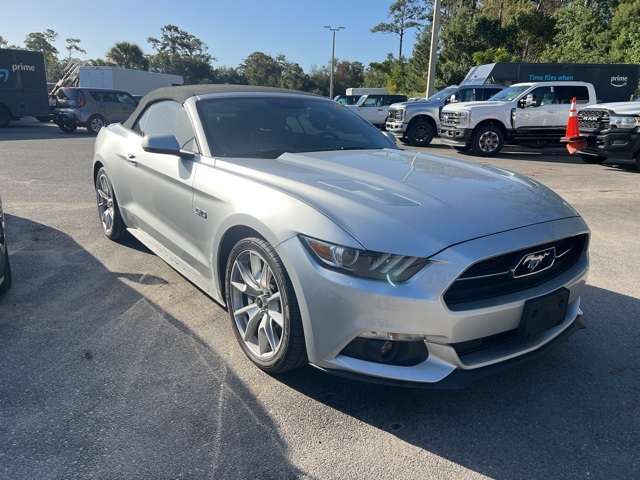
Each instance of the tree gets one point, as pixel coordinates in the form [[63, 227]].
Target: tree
[[180, 53], [42, 42], [175, 41], [261, 69], [72, 46], [127, 55], [406, 14]]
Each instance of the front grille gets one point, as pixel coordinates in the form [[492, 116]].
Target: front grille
[[494, 276], [450, 118], [593, 120], [395, 115]]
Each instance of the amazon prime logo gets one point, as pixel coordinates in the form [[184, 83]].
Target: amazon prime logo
[[619, 81], [4, 74], [534, 263]]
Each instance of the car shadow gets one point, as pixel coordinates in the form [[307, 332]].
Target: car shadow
[[99, 382], [561, 413], [30, 129]]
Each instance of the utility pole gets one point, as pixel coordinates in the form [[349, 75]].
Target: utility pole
[[333, 50], [435, 26]]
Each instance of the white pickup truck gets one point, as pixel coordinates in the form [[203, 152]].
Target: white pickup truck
[[374, 108], [528, 114]]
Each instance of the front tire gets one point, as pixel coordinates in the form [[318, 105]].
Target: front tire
[[487, 141], [110, 219], [95, 124], [592, 159], [420, 133], [263, 307]]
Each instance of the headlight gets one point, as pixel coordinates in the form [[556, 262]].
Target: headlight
[[364, 263], [464, 117], [624, 122]]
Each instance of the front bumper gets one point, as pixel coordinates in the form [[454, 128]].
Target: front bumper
[[616, 144], [396, 128], [65, 118], [458, 137], [337, 309]]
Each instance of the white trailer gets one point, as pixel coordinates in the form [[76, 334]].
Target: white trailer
[[136, 82], [367, 91]]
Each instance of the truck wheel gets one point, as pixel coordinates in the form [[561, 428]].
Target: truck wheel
[[420, 133], [592, 159], [487, 141], [5, 116]]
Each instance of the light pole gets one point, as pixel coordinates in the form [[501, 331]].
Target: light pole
[[333, 50]]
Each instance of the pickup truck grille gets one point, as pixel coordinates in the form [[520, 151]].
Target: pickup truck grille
[[450, 118], [593, 120], [496, 276], [395, 115]]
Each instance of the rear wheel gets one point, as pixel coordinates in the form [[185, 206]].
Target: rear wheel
[[592, 159], [487, 141], [420, 133], [263, 308], [67, 128], [110, 219], [95, 123]]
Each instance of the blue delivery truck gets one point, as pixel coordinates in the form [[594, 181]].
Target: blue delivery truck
[[23, 86]]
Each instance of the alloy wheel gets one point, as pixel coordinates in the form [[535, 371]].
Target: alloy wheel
[[256, 304]]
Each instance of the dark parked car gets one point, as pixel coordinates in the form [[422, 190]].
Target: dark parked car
[[5, 268], [92, 108]]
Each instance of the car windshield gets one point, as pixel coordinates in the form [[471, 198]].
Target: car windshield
[[510, 93], [442, 94], [268, 126]]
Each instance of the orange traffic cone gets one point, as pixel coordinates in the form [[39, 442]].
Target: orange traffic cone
[[572, 137]]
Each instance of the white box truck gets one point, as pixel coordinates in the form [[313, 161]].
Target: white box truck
[[136, 82]]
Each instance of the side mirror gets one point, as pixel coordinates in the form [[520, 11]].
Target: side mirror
[[452, 99], [164, 144]]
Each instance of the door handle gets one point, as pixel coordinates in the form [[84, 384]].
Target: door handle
[[131, 158]]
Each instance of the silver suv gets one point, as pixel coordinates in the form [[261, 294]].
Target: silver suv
[[92, 108]]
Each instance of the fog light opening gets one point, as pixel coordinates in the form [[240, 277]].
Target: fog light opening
[[388, 349]]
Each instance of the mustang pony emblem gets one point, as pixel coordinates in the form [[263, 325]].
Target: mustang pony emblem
[[532, 261]]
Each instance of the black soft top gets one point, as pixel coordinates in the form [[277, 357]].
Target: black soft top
[[184, 92]]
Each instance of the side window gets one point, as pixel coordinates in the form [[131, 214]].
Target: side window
[[96, 95], [487, 93], [466, 95], [541, 96], [109, 97], [167, 118], [566, 93], [373, 101], [125, 98]]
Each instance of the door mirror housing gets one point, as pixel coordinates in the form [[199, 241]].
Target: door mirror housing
[[164, 144]]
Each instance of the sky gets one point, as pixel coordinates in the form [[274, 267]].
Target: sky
[[231, 30]]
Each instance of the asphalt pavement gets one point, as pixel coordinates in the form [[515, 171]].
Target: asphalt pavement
[[113, 366]]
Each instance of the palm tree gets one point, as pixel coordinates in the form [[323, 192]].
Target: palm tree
[[128, 55]]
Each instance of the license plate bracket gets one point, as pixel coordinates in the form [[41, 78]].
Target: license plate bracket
[[542, 313]]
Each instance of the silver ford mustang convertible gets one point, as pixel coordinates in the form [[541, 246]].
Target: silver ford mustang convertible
[[328, 245]]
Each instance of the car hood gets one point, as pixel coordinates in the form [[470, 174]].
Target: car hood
[[406, 203], [631, 108], [489, 104]]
